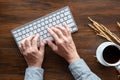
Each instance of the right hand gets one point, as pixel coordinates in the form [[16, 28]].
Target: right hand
[[64, 45]]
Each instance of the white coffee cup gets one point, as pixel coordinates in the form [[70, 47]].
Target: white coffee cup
[[99, 54]]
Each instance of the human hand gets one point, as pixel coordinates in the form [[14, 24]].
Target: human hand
[[32, 54], [64, 45]]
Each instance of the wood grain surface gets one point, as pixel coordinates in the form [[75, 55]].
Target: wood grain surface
[[14, 13]]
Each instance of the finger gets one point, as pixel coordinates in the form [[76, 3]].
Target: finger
[[63, 29], [52, 45], [35, 41], [53, 34], [58, 32], [67, 29], [27, 43], [42, 46], [30, 39], [23, 45], [20, 47]]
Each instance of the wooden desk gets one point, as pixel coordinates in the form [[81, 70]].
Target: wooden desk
[[14, 13]]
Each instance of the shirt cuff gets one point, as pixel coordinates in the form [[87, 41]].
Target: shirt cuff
[[34, 73], [35, 68], [81, 71], [80, 63]]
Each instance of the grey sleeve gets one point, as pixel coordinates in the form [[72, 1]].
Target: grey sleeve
[[34, 73], [81, 71]]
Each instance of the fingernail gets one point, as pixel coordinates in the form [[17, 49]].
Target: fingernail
[[53, 28], [48, 29], [56, 25], [37, 34]]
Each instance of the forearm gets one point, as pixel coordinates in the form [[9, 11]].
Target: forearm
[[81, 71], [34, 73]]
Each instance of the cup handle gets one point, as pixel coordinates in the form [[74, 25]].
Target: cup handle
[[117, 67]]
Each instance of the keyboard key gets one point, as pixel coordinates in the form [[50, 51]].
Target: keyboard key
[[25, 27], [22, 28], [65, 18], [38, 21], [61, 20], [58, 22], [26, 35], [34, 31], [46, 22], [41, 37], [38, 30], [50, 25], [31, 33], [54, 15], [69, 21], [50, 20], [30, 25], [58, 13], [50, 16], [34, 23], [46, 26], [42, 28], [23, 36], [18, 30], [18, 39], [45, 31], [75, 29], [48, 34], [35, 27], [58, 17], [23, 32], [44, 36], [54, 23], [42, 20], [41, 33], [42, 23], [16, 35], [62, 11], [66, 9], [19, 33], [46, 18], [66, 13], [69, 16], [71, 24], [54, 18], [61, 15], [27, 30], [31, 28], [14, 32], [38, 25]]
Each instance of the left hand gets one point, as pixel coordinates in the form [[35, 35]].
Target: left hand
[[30, 51]]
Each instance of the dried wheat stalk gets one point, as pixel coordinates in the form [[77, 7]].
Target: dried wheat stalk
[[118, 24], [102, 31]]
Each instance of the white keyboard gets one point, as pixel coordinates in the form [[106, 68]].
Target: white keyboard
[[41, 24]]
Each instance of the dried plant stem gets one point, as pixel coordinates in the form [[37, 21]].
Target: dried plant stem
[[102, 31], [118, 24]]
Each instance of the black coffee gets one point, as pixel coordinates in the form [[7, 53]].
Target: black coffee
[[111, 54]]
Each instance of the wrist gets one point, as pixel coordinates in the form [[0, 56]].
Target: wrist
[[72, 59], [35, 65]]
